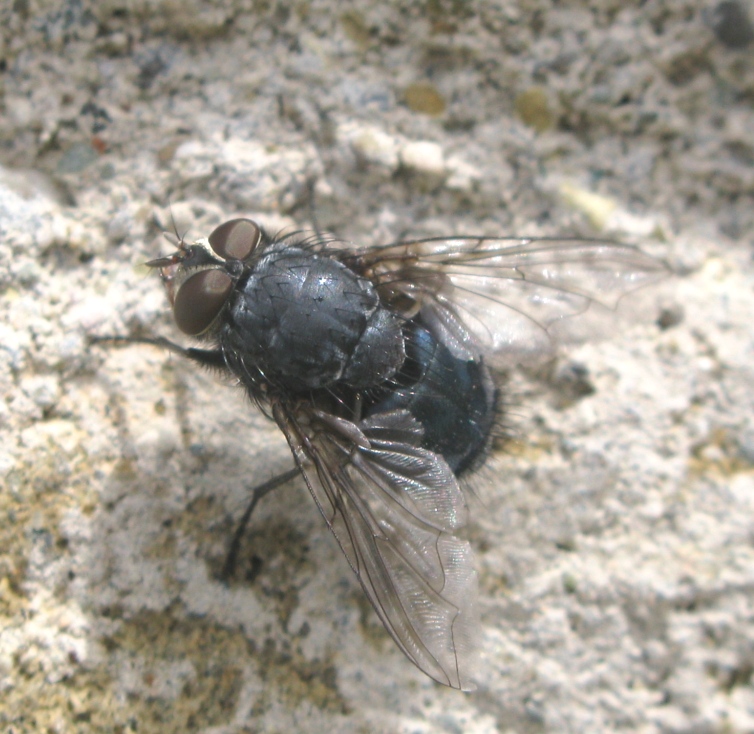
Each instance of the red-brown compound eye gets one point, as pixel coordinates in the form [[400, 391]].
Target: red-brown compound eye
[[235, 239], [200, 299]]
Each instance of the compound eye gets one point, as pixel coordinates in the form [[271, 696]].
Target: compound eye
[[200, 299], [235, 239]]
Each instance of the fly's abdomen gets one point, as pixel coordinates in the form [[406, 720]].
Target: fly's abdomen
[[453, 399]]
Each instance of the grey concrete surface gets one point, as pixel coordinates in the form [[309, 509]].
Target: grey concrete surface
[[613, 534]]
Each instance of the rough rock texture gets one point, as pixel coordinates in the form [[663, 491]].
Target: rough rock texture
[[613, 535]]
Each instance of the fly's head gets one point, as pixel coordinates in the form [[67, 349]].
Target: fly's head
[[199, 277]]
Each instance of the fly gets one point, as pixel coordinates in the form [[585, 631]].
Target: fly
[[376, 365]]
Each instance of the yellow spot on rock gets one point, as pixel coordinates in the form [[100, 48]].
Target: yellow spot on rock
[[533, 109], [424, 98], [597, 208]]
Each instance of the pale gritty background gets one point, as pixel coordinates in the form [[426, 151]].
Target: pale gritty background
[[613, 534]]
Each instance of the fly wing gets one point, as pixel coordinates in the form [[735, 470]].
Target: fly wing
[[395, 509], [507, 294]]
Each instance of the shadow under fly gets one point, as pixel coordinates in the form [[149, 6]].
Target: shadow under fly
[[376, 363]]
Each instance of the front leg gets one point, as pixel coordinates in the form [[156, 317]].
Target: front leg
[[212, 358]]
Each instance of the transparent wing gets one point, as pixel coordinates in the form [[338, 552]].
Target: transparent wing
[[395, 509], [507, 292]]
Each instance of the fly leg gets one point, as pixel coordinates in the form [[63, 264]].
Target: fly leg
[[208, 357], [257, 493], [212, 358]]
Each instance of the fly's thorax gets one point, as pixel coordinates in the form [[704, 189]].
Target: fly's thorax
[[306, 321]]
